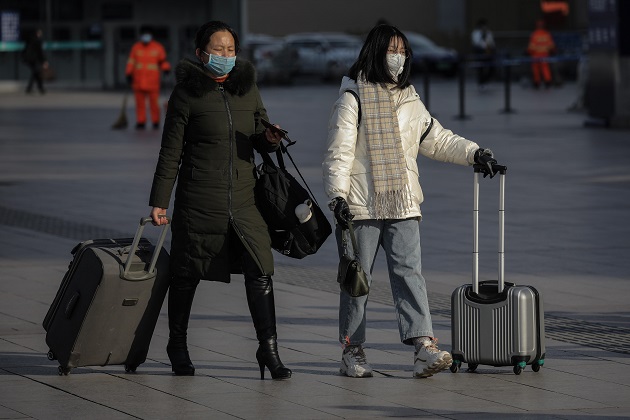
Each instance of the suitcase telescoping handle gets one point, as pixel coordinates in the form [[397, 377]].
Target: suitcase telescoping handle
[[501, 170], [136, 240]]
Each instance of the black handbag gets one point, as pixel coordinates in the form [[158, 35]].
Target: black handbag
[[277, 195], [350, 274]]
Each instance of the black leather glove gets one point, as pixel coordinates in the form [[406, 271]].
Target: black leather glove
[[486, 158], [129, 79], [339, 205]]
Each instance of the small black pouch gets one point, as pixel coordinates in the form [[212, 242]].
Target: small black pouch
[[350, 274]]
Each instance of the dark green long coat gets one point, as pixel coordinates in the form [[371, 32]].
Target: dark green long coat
[[210, 132]]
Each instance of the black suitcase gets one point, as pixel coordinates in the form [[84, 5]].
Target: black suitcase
[[107, 306], [495, 322]]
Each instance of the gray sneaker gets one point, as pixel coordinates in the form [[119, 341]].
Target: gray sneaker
[[354, 363], [430, 360]]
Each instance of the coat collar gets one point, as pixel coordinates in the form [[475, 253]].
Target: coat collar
[[195, 78]]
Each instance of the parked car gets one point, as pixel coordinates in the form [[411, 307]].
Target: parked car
[[427, 53], [328, 55], [275, 61]]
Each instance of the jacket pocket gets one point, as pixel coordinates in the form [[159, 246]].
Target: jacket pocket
[[207, 174], [414, 181], [360, 181]]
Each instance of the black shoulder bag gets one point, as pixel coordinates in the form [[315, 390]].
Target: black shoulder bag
[[297, 225], [350, 274]]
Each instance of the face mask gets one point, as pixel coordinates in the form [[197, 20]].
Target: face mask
[[146, 38], [396, 64], [219, 65]]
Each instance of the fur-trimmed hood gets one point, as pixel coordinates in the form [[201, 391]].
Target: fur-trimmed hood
[[192, 75]]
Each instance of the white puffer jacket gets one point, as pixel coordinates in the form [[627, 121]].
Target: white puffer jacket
[[346, 167]]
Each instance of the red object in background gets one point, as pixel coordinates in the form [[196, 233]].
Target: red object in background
[[561, 7], [554, 13]]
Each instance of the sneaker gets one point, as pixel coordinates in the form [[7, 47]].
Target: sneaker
[[430, 360], [354, 363]]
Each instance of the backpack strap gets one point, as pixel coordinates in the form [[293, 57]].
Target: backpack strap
[[426, 133], [356, 96]]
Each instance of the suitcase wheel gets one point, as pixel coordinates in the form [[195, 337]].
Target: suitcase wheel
[[51, 355], [456, 364], [518, 368], [130, 369], [472, 367], [537, 365], [63, 371]]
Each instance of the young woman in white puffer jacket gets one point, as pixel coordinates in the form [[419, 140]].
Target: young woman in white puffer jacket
[[377, 129]]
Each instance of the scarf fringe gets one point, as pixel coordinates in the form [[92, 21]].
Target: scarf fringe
[[391, 204]]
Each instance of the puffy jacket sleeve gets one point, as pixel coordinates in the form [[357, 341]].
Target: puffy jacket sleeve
[[259, 139], [444, 145], [342, 139], [171, 150]]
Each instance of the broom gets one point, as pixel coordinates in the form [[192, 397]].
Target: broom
[[121, 122]]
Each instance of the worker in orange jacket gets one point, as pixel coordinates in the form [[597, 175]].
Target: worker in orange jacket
[[146, 60], [540, 47]]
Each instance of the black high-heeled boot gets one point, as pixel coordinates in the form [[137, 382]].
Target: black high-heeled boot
[[267, 355], [262, 308], [180, 299]]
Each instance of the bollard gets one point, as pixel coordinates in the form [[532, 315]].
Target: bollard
[[507, 88], [462, 89]]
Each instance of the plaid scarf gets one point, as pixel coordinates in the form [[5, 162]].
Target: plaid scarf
[[392, 198]]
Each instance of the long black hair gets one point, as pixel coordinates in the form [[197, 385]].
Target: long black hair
[[207, 29], [372, 61]]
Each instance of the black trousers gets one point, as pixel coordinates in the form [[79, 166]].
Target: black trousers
[[36, 77], [485, 70], [260, 300]]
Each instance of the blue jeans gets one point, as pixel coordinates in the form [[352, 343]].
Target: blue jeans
[[400, 239]]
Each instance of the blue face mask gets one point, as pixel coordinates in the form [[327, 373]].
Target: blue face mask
[[219, 65], [146, 38]]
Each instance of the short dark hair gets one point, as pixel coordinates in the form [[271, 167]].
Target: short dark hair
[[482, 22], [207, 29], [372, 60], [146, 29]]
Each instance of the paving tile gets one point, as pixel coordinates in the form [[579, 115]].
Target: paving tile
[[566, 234]]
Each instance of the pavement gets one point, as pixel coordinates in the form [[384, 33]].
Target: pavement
[[66, 176]]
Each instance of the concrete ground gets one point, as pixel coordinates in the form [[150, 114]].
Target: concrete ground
[[65, 176]]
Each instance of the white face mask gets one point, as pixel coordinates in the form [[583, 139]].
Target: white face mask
[[396, 64]]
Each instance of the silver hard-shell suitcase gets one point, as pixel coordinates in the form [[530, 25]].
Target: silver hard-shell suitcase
[[108, 303], [495, 322]]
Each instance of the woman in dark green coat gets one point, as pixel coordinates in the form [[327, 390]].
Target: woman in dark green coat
[[213, 124]]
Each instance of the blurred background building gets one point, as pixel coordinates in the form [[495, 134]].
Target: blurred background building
[[87, 41]]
